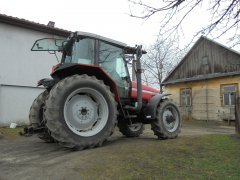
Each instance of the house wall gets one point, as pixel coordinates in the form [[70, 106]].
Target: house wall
[[20, 70], [206, 98]]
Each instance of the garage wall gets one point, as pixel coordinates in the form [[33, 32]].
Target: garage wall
[[20, 69], [15, 103], [20, 65]]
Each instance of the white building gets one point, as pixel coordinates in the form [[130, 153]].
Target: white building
[[21, 68]]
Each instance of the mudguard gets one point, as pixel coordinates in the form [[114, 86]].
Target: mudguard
[[68, 69], [151, 108]]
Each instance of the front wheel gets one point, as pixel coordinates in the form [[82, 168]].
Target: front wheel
[[168, 121], [81, 112]]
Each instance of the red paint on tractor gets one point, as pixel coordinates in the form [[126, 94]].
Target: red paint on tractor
[[147, 92]]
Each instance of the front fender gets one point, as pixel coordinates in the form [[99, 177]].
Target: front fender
[[151, 108]]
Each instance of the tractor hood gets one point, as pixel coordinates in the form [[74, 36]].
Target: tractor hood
[[147, 92]]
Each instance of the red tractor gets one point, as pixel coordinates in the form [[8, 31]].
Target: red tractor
[[91, 92]]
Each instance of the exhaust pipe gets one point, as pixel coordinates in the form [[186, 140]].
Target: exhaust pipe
[[139, 81]]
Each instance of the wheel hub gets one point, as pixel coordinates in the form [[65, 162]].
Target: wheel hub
[[169, 120], [86, 112], [83, 114], [82, 111]]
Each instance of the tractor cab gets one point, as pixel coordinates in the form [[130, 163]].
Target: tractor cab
[[93, 50]]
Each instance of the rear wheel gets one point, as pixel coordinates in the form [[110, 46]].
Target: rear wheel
[[36, 116], [130, 130], [81, 112], [168, 121]]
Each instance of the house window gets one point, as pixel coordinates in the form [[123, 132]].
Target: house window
[[186, 97], [229, 93]]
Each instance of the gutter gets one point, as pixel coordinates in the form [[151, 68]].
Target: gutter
[[200, 78], [32, 25]]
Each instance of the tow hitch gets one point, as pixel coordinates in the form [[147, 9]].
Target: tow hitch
[[29, 131]]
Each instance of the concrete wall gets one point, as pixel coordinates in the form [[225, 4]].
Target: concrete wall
[[20, 65], [15, 103], [20, 69], [204, 107]]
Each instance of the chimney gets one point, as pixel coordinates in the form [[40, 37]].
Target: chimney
[[51, 24]]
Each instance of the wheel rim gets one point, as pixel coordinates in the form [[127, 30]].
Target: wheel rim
[[135, 127], [170, 119], [86, 112]]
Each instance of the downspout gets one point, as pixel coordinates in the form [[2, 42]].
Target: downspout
[[0, 101], [206, 66], [206, 93]]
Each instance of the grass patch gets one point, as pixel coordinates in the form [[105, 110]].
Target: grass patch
[[10, 134], [203, 157]]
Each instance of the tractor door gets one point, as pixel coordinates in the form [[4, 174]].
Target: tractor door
[[111, 59]]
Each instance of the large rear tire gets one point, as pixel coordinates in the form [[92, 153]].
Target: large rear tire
[[168, 121], [36, 117], [36, 110], [130, 130], [81, 112]]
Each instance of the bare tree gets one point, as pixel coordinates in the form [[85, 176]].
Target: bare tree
[[159, 60], [223, 16]]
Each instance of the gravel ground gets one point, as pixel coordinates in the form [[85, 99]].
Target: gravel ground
[[31, 158]]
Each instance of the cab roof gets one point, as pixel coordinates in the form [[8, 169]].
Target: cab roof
[[95, 36], [127, 49]]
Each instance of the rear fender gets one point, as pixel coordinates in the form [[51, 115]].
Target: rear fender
[[69, 69], [151, 108]]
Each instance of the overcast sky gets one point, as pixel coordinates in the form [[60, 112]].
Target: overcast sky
[[109, 18]]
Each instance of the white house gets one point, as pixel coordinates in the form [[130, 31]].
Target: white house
[[21, 68]]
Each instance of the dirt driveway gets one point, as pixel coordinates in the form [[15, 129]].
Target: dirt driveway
[[30, 158]]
